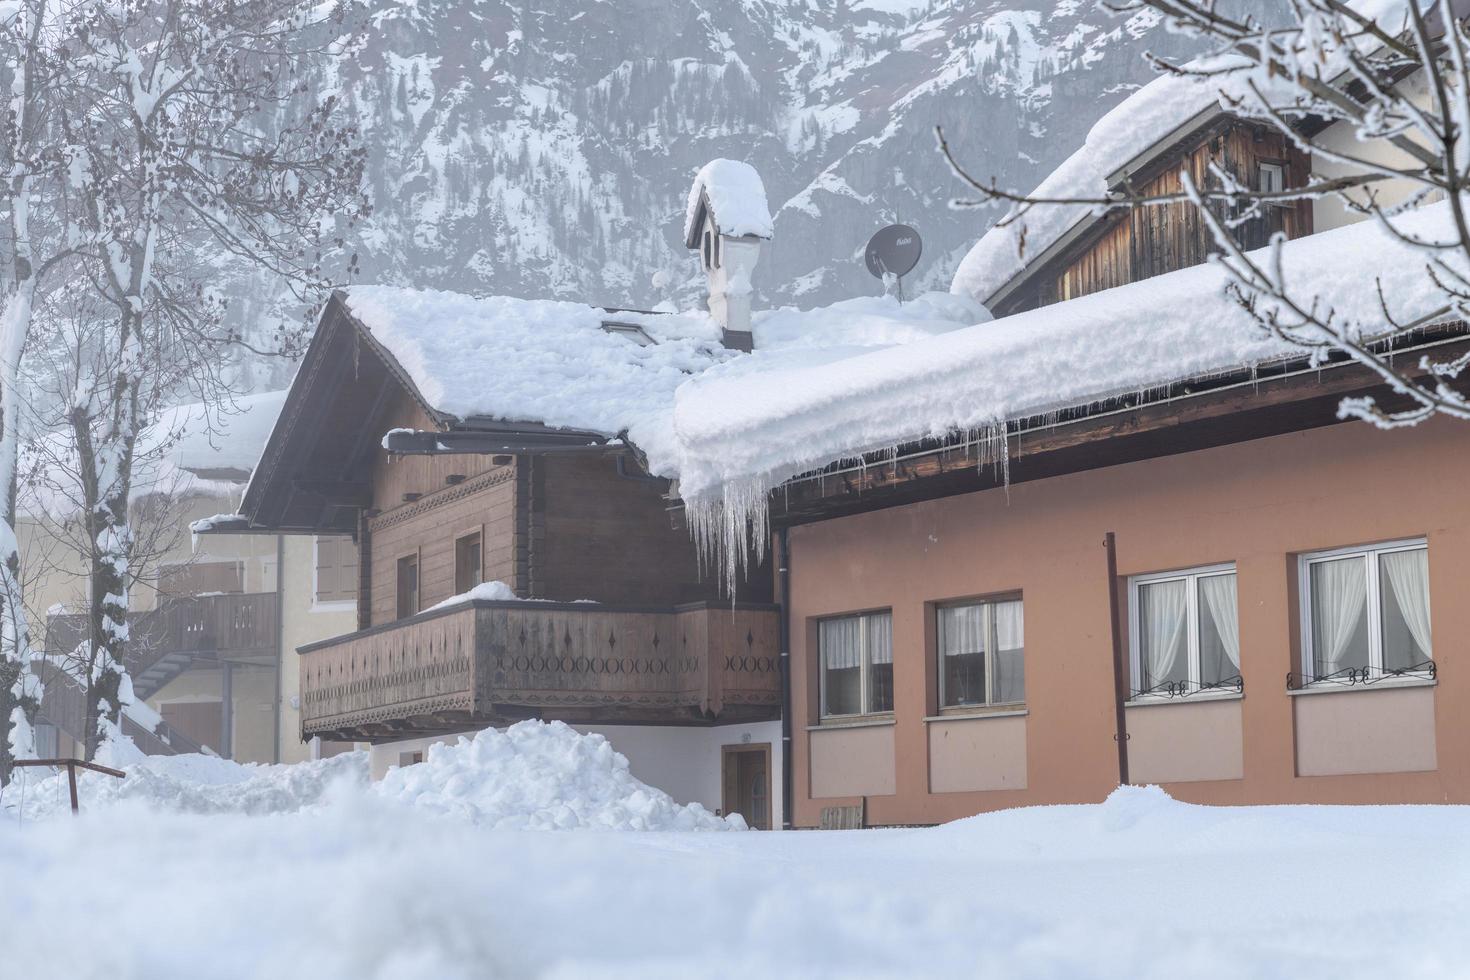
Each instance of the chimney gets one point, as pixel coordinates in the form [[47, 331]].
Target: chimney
[[727, 222]]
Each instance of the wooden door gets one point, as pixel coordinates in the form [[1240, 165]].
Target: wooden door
[[747, 783]]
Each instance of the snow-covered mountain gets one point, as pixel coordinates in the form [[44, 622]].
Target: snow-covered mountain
[[544, 147]]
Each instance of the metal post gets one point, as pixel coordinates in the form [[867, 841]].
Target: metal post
[[1120, 682], [71, 779], [227, 708]]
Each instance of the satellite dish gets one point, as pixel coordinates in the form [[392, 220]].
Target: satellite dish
[[894, 250]]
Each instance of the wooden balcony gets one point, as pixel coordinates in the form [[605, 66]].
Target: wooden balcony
[[182, 631], [490, 663]]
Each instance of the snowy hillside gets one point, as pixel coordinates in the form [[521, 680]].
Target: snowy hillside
[[544, 148]]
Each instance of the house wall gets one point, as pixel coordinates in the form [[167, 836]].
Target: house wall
[[1340, 138], [303, 621], [429, 528], [605, 537], [1258, 504], [484, 500]]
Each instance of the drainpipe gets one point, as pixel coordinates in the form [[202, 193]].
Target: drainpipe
[[227, 709], [280, 639], [1120, 682], [783, 575]]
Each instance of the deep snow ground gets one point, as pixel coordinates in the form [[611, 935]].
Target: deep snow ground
[[1138, 887]]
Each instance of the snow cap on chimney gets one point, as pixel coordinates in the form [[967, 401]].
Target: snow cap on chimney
[[726, 220]]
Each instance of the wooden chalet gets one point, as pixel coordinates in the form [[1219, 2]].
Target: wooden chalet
[[624, 629]]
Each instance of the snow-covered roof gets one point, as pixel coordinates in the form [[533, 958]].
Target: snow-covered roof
[[239, 432], [743, 432], [551, 362], [1149, 119], [735, 196], [543, 361], [189, 449]]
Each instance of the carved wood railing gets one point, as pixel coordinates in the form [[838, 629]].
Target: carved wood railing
[[685, 663]]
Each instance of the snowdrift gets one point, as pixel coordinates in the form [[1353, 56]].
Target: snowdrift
[[533, 776], [542, 777], [201, 784]]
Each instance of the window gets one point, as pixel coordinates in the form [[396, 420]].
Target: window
[[1365, 613], [1184, 632], [467, 566], [981, 653], [336, 569], [857, 664], [1272, 178], [408, 586]]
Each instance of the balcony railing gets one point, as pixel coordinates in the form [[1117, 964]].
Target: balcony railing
[[164, 641], [484, 663]]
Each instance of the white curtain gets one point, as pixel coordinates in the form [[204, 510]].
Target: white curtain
[[880, 638], [1218, 592], [1408, 573], [961, 630], [841, 641], [1162, 609], [1339, 595], [1010, 626]]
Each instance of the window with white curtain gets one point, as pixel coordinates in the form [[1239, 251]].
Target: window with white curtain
[[1184, 632], [1365, 612], [981, 653], [857, 664]]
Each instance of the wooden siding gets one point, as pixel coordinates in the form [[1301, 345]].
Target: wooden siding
[[490, 661], [1147, 242], [430, 525], [398, 475], [605, 537]]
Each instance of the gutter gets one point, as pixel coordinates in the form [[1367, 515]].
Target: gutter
[[1046, 422]]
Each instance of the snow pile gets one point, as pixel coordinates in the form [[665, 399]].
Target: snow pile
[[484, 592], [540, 776], [1137, 888], [1139, 123], [742, 433], [533, 776], [493, 592], [200, 784], [736, 198]]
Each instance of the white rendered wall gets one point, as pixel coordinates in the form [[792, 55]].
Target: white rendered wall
[[686, 762], [683, 762]]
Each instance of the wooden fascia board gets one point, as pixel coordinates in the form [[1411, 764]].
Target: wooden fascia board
[[285, 424]]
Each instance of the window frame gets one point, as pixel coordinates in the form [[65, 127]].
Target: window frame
[[418, 585], [1369, 554], [991, 650], [476, 531], [864, 666], [1190, 576], [1278, 167], [319, 604]]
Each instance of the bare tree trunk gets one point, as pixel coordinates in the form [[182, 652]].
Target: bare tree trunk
[[106, 466]]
